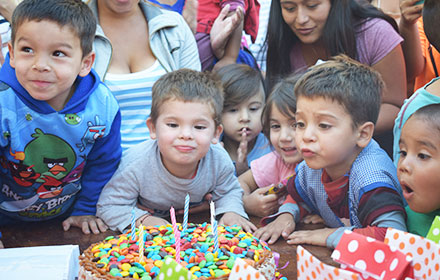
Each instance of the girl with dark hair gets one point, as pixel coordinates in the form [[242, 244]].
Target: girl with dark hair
[[302, 31]]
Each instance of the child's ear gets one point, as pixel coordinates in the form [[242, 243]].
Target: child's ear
[[365, 131], [11, 55], [217, 133], [86, 64], [151, 128]]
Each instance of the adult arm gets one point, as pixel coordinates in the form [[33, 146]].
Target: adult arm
[[189, 57], [392, 70], [7, 7], [412, 50]]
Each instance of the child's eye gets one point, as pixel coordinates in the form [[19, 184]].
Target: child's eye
[[200, 127], [255, 108], [402, 153], [172, 125], [423, 156], [232, 110], [26, 49], [299, 124], [58, 53], [275, 126]]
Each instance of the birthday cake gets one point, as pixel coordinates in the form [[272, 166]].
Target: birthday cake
[[117, 257]]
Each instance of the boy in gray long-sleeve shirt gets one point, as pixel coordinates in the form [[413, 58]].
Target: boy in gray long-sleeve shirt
[[182, 157]]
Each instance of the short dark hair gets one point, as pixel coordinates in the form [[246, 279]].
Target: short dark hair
[[429, 114], [431, 11], [357, 87], [73, 13], [283, 98], [240, 82], [188, 86]]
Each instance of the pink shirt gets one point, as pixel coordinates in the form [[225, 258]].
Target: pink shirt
[[270, 169], [376, 39]]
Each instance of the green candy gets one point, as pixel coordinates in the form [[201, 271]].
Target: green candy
[[224, 257], [209, 257], [242, 245], [109, 237], [116, 254], [230, 263], [146, 277], [114, 271], [202, 264], [213, 267], [219, 272], [123, 245], [104, 260]]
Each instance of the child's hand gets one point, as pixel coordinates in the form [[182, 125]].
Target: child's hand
[[86, 223], [1, 245], [154, 221], [410, 12], [283, 225], [241, 164], [231, 218], [259, 204], [312, 237], [313, 219]]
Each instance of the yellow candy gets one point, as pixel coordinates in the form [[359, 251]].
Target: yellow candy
[[126, 266], [169, 249], [158, 263], [107, 245], [211, 271], [135, 275], [96, 248], [125, 273], [227, 270], [194, 269], [232, 248]]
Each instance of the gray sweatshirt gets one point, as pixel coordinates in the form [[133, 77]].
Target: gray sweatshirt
[[141, 176]]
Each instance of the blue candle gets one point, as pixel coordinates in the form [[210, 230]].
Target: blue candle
[[185, 214], [133, 223]]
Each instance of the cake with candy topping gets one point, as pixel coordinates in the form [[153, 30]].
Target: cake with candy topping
[[117, 257]]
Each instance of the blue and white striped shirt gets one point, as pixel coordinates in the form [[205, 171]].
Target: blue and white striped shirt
[[133, 92]]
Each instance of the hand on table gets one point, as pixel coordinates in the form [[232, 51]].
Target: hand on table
[[231, 218], [283, 225], [313, 237], [259, 204], [154, 221], [86, 223]]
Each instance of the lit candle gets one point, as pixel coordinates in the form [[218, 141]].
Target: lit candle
[[214, 227], [185, 214], [176, 233], [133, 224]]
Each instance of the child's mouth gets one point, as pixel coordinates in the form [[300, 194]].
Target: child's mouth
[[407, 189]]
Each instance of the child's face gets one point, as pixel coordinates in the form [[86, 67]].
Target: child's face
[[282, 136], [325, 135], [47, 59], [419, 165], [184, 132], [245, 116]]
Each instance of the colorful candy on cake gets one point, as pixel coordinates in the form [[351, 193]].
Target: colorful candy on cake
[[206, 254]]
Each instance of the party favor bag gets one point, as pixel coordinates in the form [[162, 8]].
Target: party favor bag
[[309, 267], [425, 253], [371, 258], [434, 231], [242, 270], [171, 270]]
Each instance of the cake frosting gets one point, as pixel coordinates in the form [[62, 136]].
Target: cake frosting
[[117, 257]]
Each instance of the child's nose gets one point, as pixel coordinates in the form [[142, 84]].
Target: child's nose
[[404, 165], [186, 133], [40, 63], [244, 115], [308, 134], [287, 134]]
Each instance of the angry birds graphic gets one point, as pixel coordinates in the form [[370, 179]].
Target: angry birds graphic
[[22, 174], [93, 132], [49, 155], [72, 119], [50, 188]]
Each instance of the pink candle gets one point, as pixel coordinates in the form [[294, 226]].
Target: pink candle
[[176, 233]]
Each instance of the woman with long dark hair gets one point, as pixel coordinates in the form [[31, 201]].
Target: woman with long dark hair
[[302, 31]]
